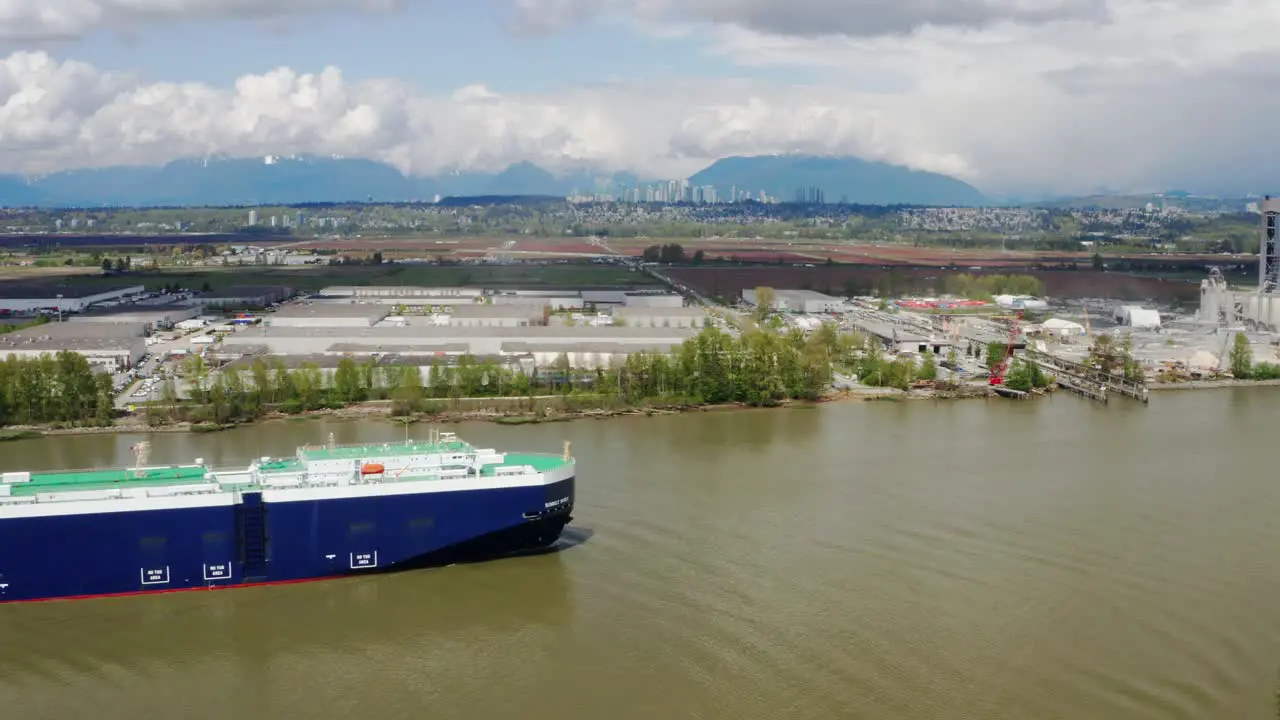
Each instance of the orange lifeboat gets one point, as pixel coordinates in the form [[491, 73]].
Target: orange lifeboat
[[372, 469]]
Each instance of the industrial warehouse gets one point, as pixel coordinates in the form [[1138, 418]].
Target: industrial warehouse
[[29, 298], [584, 346], [522, 331], [112, 347]]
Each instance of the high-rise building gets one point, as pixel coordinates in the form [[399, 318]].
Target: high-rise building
[[253, 218]]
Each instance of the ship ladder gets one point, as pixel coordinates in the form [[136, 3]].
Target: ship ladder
[[253, 537]]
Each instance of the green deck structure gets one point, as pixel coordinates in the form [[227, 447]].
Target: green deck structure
[[112, 479], [128, 478]]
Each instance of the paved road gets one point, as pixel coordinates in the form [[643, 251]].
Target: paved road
[[152, 367]]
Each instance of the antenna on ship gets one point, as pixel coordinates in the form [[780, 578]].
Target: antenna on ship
[[141, 452], [332, 443], [567, 455]]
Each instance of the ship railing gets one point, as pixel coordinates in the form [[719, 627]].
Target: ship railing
[[451, 445], [132, 470]]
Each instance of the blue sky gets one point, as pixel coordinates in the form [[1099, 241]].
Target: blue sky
[[436, 49], [1057, 96]]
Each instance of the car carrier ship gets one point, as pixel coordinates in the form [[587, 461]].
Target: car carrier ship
[[328, 511]]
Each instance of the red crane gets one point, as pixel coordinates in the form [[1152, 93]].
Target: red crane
[[1000, 368]]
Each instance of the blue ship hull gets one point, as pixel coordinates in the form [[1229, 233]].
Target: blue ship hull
[[256, 542]]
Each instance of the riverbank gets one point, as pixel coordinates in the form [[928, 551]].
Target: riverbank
[[380, 410], [1211, 385]]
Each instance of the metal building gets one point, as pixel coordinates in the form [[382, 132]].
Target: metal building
[[25, 298], [661, 317], [242, 296], [798, 301], [117, 346], [495, 316], [152, 317], [327, 315], [442, 340], [653, 300]]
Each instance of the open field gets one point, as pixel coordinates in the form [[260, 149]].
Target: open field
[[316, 277], [458, 248], [520, 247], [66, 240], [29, 273], [904, 255], [729, 282]]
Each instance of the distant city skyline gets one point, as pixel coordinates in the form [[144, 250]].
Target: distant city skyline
[[1075, 96]]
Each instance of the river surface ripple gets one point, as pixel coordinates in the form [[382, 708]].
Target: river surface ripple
[[980, 559]]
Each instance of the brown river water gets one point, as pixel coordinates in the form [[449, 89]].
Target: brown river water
[[975, 559]]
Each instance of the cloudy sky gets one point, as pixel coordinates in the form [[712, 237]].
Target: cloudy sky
[[1016, 96]]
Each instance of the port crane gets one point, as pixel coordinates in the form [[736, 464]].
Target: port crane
[[999, 369]]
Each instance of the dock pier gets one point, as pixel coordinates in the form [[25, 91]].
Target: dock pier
[[1087, 381]]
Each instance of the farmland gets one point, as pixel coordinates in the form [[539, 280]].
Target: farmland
[[724, 266], [111, 242], [729, 282]]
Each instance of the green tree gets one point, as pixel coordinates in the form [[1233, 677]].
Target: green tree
[[928, 368], [348, 383], [996, 352], [407, 396], [764, 303], [953, 360], [1241, 357]]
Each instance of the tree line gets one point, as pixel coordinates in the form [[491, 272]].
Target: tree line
[[757, 368], [986, 287], [61, 389], [1242, 365]]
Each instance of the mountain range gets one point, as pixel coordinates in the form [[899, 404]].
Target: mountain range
[[221, 181]]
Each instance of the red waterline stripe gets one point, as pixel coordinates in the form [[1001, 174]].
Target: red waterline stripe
[[131, 593]]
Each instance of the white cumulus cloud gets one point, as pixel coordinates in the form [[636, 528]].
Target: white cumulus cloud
[[1122, 94], [28, 20], [814, 17]]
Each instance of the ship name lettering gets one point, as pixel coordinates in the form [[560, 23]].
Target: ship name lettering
[[554, 503]]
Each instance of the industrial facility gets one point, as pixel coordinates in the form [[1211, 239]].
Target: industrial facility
[[798, 301], [441, 298], [418, 327], [656, 316], [584, 346], [243, 296], [151, 317], [1257, 309], [311, 315], [29, 298], [112, 346]]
